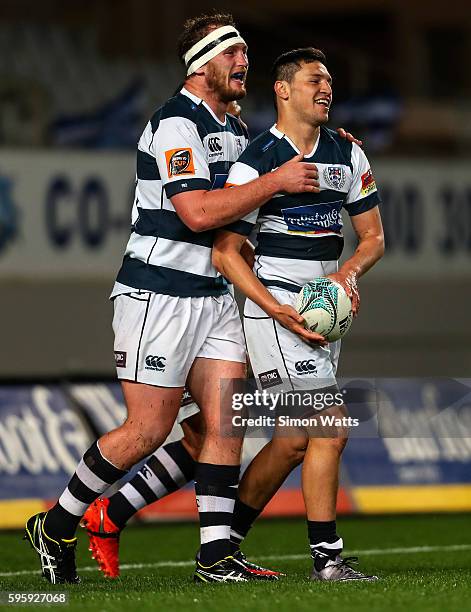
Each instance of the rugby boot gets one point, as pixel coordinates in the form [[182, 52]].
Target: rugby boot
[[57, 557], [103, 536]]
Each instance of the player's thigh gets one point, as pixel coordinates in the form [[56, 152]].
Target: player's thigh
[[157, 337], [151, 409], [221, 359], [209, 383]]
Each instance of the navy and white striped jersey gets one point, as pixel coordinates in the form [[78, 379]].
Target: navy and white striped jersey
[[295, 229], [184, 147]]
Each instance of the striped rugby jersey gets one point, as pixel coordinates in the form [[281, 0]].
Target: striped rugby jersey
[[296, 229], [184, 147]]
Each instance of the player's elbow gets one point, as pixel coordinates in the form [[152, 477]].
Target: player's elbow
[[196, 223], [380, 245]]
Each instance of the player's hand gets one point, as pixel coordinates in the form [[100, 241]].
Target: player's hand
[[287, 316], [349, 283], [343, 134], [297, 176]]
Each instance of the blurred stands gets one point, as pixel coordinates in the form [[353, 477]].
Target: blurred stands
[[75, 70]]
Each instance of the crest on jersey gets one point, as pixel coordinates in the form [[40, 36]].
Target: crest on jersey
[[335, 177], [179, 161]]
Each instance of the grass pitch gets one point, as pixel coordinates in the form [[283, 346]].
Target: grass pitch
[[424, 563]]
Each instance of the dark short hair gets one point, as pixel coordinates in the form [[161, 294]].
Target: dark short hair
[[196, 28], [287, 64]]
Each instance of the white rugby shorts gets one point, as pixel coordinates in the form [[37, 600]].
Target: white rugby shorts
[[158, 337], [279, 358]]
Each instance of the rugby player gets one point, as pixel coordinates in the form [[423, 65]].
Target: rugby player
[[299, 238], [175, 321], [162, 475]]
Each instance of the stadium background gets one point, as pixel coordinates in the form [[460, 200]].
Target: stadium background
[[78, 82]]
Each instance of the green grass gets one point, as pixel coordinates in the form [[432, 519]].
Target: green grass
[[413, 581]]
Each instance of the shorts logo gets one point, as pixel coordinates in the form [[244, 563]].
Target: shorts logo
[[186, 398], [179, 161], [305, 367], [368, 183], [269, 379], [153, 362], [214, 144], [335, 177], [120, 359]]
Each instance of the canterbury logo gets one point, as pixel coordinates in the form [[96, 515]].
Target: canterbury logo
[[214, 144], [306, 367], [153, 362]]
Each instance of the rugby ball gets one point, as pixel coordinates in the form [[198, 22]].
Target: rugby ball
[[326, 308]]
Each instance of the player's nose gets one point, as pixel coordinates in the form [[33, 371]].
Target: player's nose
[[242, 59]]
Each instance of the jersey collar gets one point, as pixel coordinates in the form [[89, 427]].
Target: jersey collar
[[276, 132], [198, 101]]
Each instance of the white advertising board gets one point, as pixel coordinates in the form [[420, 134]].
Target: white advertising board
[[67, 215]]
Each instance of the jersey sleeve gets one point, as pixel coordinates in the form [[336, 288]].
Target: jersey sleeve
[[180, 156], [363, 194], [240, 174]]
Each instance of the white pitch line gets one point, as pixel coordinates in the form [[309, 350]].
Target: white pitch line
[[371, 551]]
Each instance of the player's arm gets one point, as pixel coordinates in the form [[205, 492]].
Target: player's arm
[[229, 261], [370, 249], [204, 210], [362, 206]]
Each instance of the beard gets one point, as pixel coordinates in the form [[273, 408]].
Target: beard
[[217, 82]]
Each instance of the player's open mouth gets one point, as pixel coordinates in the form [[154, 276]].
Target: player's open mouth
[[323, 102], [238, 76]]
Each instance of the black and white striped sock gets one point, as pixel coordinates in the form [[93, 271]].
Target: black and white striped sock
[[92, 477], [242, 521], [166, 470], [216, 491]]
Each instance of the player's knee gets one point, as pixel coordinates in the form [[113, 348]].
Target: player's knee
[[143, 439], [193, 443], [335, 445], [293, 450]]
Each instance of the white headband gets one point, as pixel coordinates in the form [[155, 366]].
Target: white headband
[[209, 46]]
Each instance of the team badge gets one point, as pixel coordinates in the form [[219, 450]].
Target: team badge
[[368, 183], [335, 177], [179, 161]]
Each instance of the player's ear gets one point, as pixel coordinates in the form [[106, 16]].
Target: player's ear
[[282, 89]]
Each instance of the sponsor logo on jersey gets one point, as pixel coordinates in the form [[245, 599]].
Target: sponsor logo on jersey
[[269, 379], [335, 177], [214, 147], [120, 359], [179, 161], [155, 362], [368, 183], [214, 144], [314, 218], [305, 367]]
